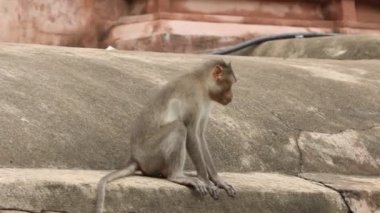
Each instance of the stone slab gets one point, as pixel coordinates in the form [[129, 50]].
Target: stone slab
[[73, 191], [362, 193]]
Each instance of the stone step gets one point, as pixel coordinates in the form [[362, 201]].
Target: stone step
[[362, 194], [43, 190]]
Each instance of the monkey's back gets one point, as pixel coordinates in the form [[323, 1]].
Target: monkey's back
[[167, 105]]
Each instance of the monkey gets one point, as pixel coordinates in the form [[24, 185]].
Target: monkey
[[173, 124]]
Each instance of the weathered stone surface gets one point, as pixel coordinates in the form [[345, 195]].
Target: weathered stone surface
[[332, 47], [362, 194], [74, 191], [72, 108], [350, 151]]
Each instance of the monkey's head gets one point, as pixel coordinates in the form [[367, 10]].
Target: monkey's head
[[222, 78]]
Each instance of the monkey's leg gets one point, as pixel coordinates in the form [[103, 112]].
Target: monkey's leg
[[101, 191], [172, 150], [176, 162], [175, 156], [165, 153]]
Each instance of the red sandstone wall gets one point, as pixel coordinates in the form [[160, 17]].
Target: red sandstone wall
[[368, 11], [57, 22], [177, 25], [265, 9]]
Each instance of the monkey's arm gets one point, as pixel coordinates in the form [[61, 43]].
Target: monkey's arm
[[194, 149], [213, 174]]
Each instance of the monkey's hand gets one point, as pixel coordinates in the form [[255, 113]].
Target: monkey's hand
[[212, 189], [224, 185]]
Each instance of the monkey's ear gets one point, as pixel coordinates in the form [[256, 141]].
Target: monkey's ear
[[217, 73]]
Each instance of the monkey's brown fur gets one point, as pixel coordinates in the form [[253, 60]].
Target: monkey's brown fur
[[172, 124]]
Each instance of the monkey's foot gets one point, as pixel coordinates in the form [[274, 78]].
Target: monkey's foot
[[231, 191], [199, 186]]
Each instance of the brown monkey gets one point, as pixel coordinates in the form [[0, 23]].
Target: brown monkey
[[175, 122]]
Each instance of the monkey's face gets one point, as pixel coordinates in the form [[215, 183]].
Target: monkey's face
[[225, 95], [224, 78]]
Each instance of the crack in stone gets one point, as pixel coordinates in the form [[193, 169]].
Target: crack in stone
[[301, 160], [297, 135], [341, 194], [280, 119], [300, 154]]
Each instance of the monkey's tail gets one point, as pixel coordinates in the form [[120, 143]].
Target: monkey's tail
[[101, 191]]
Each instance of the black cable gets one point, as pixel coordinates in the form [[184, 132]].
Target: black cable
[[262, 39]]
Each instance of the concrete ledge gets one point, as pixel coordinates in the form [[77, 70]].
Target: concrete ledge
[[73, 191], [178, 35]]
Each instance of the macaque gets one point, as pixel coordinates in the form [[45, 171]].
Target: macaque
[[172, 125]]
